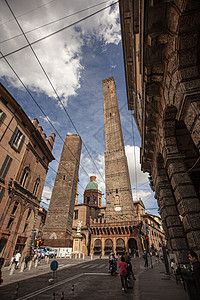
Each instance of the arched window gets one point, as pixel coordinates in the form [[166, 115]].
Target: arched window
[[28, 214], [36, 185], [120, 246], [25, 176], [108, 246], [14, 208], [97, 247]]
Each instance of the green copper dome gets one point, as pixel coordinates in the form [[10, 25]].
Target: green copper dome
[[93, 185]]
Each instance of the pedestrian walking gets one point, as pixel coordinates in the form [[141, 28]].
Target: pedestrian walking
[[157, 257], [123, 274], [129, 269], [11, 262], [145, 260], [173, 265], [193, 258], [17, 260], [27, 259]]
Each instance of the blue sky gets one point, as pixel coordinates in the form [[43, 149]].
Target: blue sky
[[76, 60]]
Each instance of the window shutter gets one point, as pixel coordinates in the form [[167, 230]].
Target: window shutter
[[13, 136], [2, 118], [2, 190], [21, 143], [5, 166]]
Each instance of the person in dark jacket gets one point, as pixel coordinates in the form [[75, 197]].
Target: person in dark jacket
[[193, 258]]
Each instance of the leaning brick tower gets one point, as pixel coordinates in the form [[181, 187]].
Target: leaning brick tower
[[119, 202], [58, 227]]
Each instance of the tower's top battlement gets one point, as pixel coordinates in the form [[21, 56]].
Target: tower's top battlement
[[108, 80]]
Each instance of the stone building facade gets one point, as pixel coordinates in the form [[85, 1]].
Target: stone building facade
[[153, 225], [58, 228], [161, 57], [25, 156]]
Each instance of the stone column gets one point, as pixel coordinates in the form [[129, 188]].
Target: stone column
[[139, 243], [103, 246], [126, 244], [114, 245], [170, 215], [187, 201], [77, 243]]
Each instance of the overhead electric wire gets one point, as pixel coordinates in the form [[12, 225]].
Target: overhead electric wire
[[51, 84], [55, 21], [39, 106], [48, 165], [57, 31], [28, 12]]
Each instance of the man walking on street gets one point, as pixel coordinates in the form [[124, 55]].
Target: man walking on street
[[193, 258]]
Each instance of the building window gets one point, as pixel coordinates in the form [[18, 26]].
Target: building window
[[99, 201], [94, 200], [76, 214], [2, 190], [28, 215], [25, 227], [14, 208], [63, 177], [25, 176], [5, 166], [37, 182], [88, 200], [116, 191], [17, 140], [10, 223], [2, 117]]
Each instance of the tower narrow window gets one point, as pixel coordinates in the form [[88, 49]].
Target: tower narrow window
[[76, 214]]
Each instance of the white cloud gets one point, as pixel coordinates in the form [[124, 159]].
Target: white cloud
[[47, 119], [46, 195], [133, 157], [60, 54]]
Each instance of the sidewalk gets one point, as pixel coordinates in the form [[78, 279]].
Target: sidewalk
[[154, 284], [151, 284]]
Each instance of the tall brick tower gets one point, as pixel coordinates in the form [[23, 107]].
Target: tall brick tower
[[58, 227], [119, 202]]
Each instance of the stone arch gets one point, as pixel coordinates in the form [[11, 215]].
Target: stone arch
[[120, 246], [53, 236], [132, 245], [97, 247], [108, 246]]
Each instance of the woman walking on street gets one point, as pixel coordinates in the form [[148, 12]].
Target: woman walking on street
[[123, 274]]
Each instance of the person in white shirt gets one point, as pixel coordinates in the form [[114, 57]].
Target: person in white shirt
[[17, 259]]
